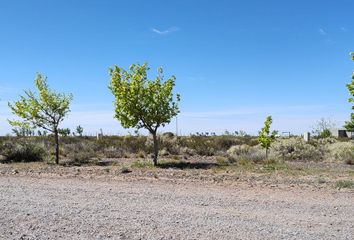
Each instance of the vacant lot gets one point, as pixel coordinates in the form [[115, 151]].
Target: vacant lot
[[78, 208]]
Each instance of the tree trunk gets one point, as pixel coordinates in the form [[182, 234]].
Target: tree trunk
[[56, 135], [266, 153], [156, 148]]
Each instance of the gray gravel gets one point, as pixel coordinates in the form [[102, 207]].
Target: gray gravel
[[70, 208]]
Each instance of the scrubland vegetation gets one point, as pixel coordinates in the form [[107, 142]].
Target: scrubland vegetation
[[234, 149], [210, 155]]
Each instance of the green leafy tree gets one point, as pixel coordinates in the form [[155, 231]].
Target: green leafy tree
[[23, 131], [265, 137], [349, 125], [143, 103], [45, 110], [79, 130], [64, 131]]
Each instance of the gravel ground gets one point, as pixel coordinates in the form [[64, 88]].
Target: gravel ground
[[74, 208]]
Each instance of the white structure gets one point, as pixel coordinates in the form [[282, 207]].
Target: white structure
[[307, 136], [340, 133]]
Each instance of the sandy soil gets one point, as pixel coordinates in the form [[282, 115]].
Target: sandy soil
[[37, 207]]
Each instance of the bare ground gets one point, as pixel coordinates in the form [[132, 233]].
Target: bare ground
[[69, 207]]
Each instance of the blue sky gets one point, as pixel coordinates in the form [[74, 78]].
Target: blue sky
[[235, 61]]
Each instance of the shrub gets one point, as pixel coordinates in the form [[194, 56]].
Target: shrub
[[247, 153], [164, 152], [80, 152], [82, 157], [23, 151], [142, 164], [135, 144], [187, 151], [224, 142], [140, 154], [325, 134], [341, 151], [222, 161], [169, 143], [239, 150], [295, 149], [201, 144], [112, 152], [168, 135], [254, 156]]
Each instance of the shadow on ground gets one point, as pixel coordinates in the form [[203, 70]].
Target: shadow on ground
[[187, 165]]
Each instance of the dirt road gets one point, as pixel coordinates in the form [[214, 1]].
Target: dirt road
[[54, 208]]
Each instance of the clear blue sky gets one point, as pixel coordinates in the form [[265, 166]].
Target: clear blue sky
[[235, 61]]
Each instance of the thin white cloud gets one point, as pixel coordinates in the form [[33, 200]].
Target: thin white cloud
[[322, 31], [167, 31], [343, 29]]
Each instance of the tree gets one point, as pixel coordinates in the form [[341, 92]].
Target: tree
[[46, 111], [265, 138], [349, 125], [23, 131], [143, 103], [79, 130], [322, 127], [64, 131]]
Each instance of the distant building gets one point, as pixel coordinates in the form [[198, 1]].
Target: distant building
[[341, 133]]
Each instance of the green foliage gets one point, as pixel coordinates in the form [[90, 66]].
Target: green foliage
[[265, 138], [23, 131], [325, 133], [349, 125], [64, 131], [143, 103], [45, 111], [79, 130]]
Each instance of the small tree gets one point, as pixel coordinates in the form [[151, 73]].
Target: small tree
[[143, 103], [265, 138], [349, 125], [79, 130], [46, 111], [64, 131], [23, 131]]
